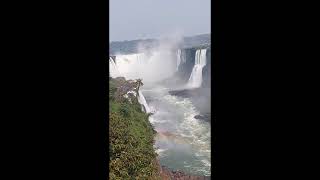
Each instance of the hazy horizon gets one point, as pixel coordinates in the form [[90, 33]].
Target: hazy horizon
[[159, 38], [154, 19]]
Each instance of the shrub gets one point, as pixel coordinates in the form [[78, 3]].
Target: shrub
[[131, 142], [125, 110]]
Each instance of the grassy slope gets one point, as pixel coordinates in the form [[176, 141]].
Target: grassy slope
[[131, 140]]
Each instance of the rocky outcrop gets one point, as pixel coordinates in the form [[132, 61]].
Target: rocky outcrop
[[185, 93], [205, 117], [200, 97], [126, 89]]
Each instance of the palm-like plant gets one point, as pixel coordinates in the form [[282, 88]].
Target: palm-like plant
[[139, 83]]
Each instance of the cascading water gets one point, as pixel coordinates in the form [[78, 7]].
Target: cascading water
[[182, 141], [127, 65], [150, 67], [131, 65], [113, 70], [178, 59], [143, 101], [195, 79], [181, 59]]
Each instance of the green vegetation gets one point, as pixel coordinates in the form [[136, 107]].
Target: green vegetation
[[131, 139]]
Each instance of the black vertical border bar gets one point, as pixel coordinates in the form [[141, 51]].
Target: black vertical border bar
[[107, 90]]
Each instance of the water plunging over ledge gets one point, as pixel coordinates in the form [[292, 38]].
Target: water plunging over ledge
[[182, 142]]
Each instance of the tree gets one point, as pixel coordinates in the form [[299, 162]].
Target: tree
[[139, 83]]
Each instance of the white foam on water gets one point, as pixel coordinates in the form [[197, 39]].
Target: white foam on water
[[161, 152], [206, 162], [197, 132]]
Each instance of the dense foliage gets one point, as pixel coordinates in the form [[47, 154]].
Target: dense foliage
[[131, 140]]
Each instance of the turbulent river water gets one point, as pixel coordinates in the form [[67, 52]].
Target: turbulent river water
[[182, 142]]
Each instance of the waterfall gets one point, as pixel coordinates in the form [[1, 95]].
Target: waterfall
[[181, 59], [195, 79], [143, 101], [128, 67], [113, 69], [178, 59], [131, 66]]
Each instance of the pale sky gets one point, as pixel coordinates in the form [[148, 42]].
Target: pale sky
[[140, 19]]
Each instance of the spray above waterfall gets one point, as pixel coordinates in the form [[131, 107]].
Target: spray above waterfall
[[150, 64], [113, 69], [131, 66]]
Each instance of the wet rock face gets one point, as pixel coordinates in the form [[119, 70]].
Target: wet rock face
[[126, 89], [201, 99], [184, 93], [205, 117], [185, 69]]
